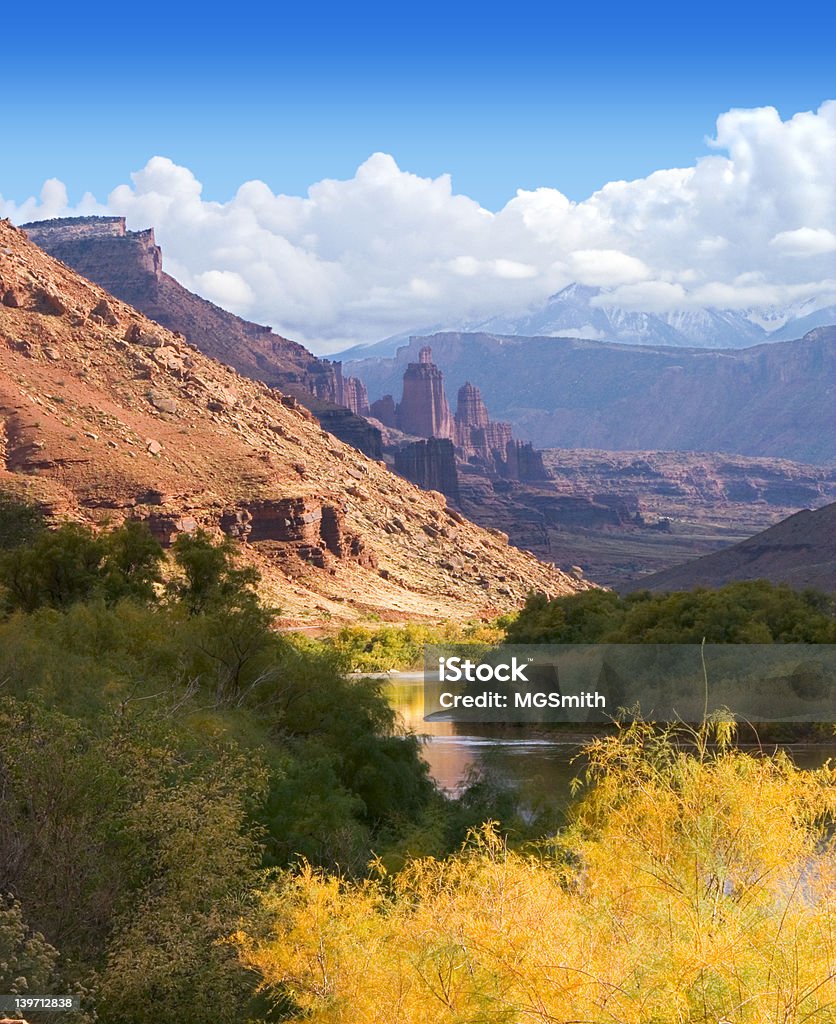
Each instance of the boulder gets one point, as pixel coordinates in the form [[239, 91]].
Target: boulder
[[103, 312]]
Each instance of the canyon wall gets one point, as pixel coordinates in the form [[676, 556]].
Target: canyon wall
[[771, 400], [430, 464]]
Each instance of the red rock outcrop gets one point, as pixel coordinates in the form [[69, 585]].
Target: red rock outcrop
[[523, 461], [423, 410], [385, 411], [340, 541], [167, 528], [294, 520], [478, 446], [313, 526], [430, 464], [355, 397], [470, 412]]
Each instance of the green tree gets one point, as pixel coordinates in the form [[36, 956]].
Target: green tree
[[132, 561], [133, 845], [27, 961], [210, 577], [747, 612], [58, 568], [20, 522], [192, 829]]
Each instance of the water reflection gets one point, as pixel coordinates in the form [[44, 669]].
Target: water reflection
[[512, 754], [540, 767]]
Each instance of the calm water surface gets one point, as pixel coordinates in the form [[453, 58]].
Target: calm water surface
[[521, 758]]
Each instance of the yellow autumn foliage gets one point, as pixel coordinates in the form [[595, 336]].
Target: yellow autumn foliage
[[693, 884]]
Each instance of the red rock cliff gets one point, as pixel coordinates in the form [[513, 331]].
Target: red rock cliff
[[471, 411]]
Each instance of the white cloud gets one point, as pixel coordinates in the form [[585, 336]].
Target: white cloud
[[805, 241], [586, 333], [52, 201], [752, 223], [511, 270], [226, 288], [712, 245], [605, 267], [648, 297]]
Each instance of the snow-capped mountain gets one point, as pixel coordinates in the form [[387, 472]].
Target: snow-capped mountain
[[580, 311], [798, 326]]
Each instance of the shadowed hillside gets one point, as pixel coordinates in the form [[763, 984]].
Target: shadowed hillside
[[800, 551]]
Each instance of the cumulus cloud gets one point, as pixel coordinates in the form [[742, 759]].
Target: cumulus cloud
[[226, 288], [647, 297], [805, 241], [606, 267], [52, 201], [751, 223]]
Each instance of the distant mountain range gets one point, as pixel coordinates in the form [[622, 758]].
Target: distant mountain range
[[578, 312], [773, 399]]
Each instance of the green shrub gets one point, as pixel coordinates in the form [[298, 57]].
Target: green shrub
[[749, 612]]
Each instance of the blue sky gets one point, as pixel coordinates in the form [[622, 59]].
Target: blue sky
[[522, 97], [346, 173]]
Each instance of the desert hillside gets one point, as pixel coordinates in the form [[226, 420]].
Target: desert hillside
[[800, 550], [129, 265], [106, 415]]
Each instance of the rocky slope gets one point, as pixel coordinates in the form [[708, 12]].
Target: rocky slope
[[800, 551], [772, 400], [105, 414], [129, 265]]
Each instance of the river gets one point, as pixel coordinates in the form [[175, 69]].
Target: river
[[518, 757]]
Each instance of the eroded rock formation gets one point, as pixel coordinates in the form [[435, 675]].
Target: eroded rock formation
[[523, 461], [355, 397], [423, 410], [316, 528], [384, 410], [479, 442], [431, 464], [471, 412]]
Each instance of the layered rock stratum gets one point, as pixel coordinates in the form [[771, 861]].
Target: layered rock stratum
[[107, 415], [648, 511]]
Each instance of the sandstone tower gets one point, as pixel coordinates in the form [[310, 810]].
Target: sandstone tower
[[423, 409]]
